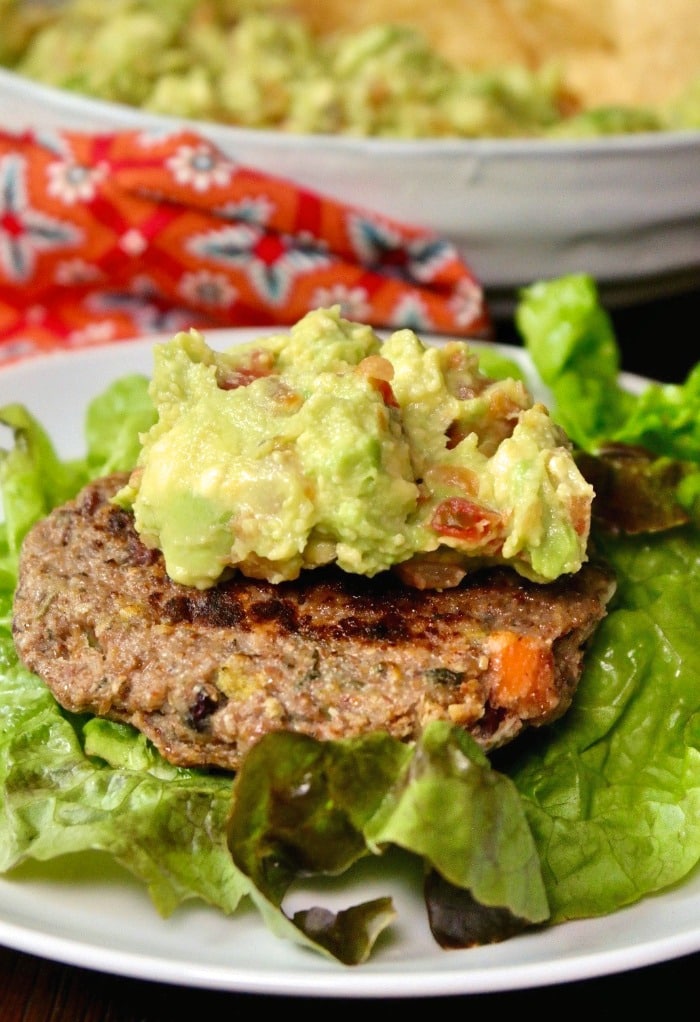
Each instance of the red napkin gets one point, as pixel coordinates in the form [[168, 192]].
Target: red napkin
[[113, 236]]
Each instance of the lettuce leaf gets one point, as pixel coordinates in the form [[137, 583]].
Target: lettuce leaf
[[63, 788], [165, 826], [114, 423], [33, 478], [612, 792], [570, 338], [303, 807]]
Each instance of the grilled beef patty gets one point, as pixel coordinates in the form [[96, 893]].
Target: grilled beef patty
[[204, 674]]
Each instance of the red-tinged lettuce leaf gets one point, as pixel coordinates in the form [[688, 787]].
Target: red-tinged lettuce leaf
[[635, 491], [299, 810], [466, 820], [612, 790], [350, 934], [303, 807], [458, 920], [300, 806], [347, 936]]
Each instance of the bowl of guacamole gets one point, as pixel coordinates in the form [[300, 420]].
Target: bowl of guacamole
[[528, 153]]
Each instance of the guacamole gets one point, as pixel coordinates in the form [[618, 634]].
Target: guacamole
[[326, 444], [257, 64]]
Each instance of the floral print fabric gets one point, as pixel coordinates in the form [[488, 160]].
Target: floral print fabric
[[113, 236]]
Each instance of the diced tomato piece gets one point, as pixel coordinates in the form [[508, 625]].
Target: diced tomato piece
[[261, 364], [379, 372], [466, 520], [385, 389]]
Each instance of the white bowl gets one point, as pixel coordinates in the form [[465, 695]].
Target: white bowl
[[625, 209]]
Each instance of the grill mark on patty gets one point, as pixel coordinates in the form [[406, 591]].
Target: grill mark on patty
[[204, 674], [220, 607], [215, 608], [276, 612]]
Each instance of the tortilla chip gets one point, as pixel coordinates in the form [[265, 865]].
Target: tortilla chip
[[611, 51]]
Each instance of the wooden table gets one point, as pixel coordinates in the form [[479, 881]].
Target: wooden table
[[661, 339]]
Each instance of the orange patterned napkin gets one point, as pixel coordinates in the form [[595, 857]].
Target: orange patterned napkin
[[113, 236]]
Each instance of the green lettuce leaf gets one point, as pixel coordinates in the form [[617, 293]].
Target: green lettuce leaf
[[114, 423], [63, 788], [570, 338], [612, 791], [164, 825], [32, 477]]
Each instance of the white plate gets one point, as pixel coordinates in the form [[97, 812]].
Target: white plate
[[90, 913], [624, 209]]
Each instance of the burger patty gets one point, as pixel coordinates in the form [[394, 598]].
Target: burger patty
[[205, 673]]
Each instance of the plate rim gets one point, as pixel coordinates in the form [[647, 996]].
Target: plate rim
[[321, 978]]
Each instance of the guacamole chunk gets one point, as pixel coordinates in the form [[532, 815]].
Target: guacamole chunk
[[326, 444]]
